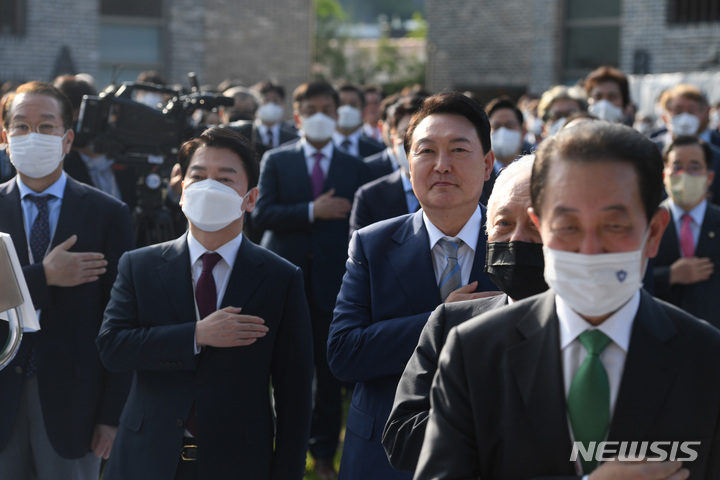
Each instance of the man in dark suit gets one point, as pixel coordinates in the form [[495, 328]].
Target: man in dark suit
[[684, 267], [530, 389], [68, 236], [400, 269], [349, 134], [200, 405], [514, 263], [391, 195], [307, 189]]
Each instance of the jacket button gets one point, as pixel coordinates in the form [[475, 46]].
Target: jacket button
[[19, 370], [180, 422]]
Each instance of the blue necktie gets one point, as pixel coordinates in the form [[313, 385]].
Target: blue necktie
[[451, 277]]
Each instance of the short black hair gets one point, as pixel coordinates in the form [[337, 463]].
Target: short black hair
[[405, 105], [74, 88], [504, 103], [351, 87], [268, 86], [222, 137], [454, 103], [314, 89], [689, 140], [607, 73], [591, 142]]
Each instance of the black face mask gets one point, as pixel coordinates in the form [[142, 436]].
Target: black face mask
[[516, 268]]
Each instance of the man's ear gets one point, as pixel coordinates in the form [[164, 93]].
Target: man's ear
[[658, 223], [535, 219], [251, 199], [489, 162]]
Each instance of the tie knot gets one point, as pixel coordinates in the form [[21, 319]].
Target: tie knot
[[318, 156], [450, 247], [40, 201], [210, 259], [594, 341], [686, 218]]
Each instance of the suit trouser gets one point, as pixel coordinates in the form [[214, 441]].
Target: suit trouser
[[29, 454], [327, 397]]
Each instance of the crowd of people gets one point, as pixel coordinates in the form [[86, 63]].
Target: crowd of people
[[517, 290]]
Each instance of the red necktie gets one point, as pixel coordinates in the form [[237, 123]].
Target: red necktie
[[687, 244], [318, 177], [206, 298]]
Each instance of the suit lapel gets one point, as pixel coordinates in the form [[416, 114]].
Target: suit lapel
[[478, 269], [670, 239], [650, 368], [246, 276], [536, 365], [175, 276], [11, 219], [707, 244], [411, 259], [72, 212]]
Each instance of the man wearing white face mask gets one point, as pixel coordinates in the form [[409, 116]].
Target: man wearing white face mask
[[69, 236], [507, 132], [349, 132], [306, 192], [684, 268], [206, 323], [530, 390], [608, 94]]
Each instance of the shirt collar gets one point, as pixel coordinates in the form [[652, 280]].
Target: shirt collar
[[57, 189], [309, 150], [228, 251], [697, 213], [617, 326], [469, 233]]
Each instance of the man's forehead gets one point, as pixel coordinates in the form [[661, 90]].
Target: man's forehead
[[23, 102]]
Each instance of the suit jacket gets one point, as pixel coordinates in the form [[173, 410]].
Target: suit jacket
[[320, 247], [662, 139], [380, 164], [405, 429], [498, 400], [149, 328], [76, 392], [378, 200], [700, 299], [250, 130], [387, 295], [367, 146]]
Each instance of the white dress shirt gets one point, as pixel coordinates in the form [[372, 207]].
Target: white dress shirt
[[338, 139], [263, 132], [466, 253], [309, 151]]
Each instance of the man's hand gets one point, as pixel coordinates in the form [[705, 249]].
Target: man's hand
[[69, 269], [226, 328], [328, 207], [102, 440], [688, 270], [468, 292], [640, 471]]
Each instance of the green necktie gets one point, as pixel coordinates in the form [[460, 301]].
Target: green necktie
[[588, 401]]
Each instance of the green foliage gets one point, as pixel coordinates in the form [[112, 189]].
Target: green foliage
[[422, 31]]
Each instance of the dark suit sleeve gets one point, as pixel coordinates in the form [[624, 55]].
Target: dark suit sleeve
[[269, 212], [126, 345], [405, 428], [361, 348], [37, 284], [292, 376], [359, 215], [661, 276]]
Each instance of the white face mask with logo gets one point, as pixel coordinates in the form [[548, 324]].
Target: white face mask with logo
[[270, 113], [505, 142], [595, 285], [349, 117], [687, 190], [211, 206], [36, 155], [684, 124], [605, 110], [318, 127]]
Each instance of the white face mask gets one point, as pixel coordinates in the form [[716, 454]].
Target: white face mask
[[318, 127], [686, 190], [211, 206], [349, 117], [595, 285], [270, 113], [556, 126], [36, 155], [684, 124], [606, 111], [401, 158], [505, 142]]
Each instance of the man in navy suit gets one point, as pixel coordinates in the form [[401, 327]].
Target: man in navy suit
[[306, 193], [56, 395], [212, 326], [400, 269], [349, 134], [684, 267]]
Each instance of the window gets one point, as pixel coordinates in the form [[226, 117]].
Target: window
[[693, 11], [12, 17]]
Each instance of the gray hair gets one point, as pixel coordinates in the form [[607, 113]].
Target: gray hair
[[518, 169]]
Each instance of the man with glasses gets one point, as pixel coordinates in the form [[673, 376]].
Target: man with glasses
[[59, 407], [684, 268]]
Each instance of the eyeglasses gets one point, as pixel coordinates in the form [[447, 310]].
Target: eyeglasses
[[17, 129]]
